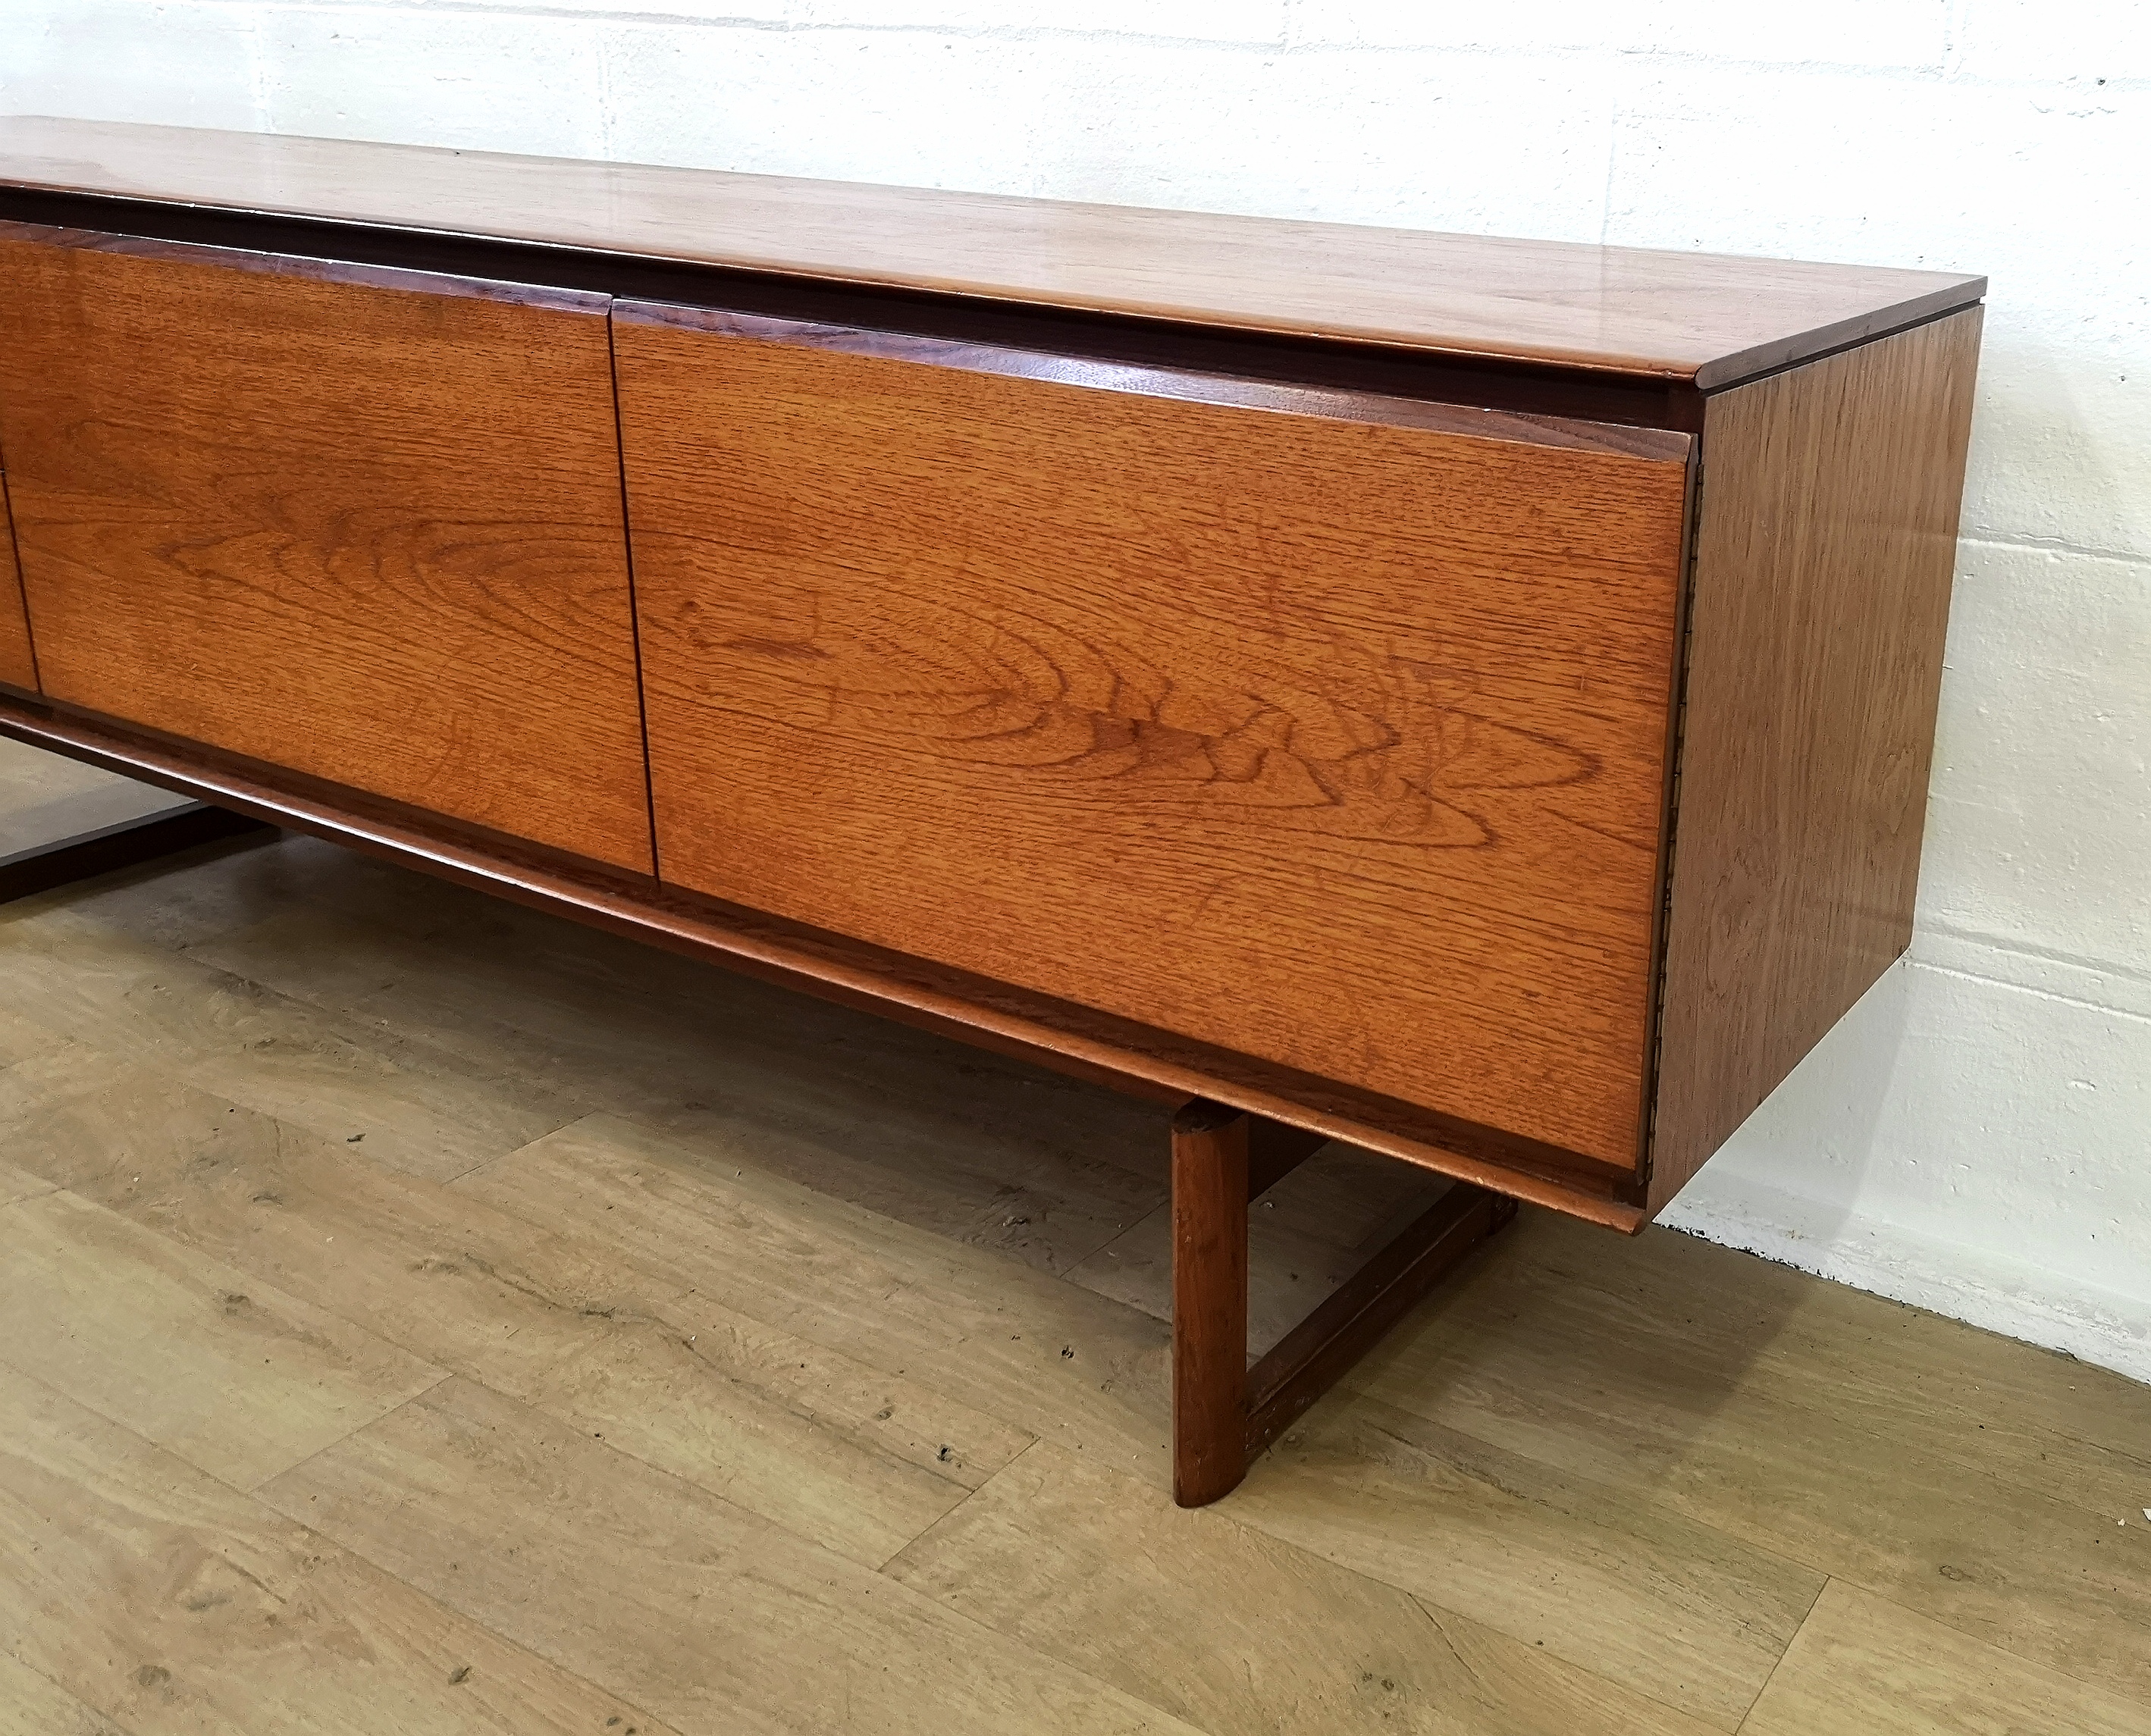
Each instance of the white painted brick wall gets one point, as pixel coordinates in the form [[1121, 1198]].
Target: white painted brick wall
[[1977, 1136]]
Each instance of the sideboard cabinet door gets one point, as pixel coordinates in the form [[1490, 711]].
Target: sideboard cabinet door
[[362, 524], [1328, 729]]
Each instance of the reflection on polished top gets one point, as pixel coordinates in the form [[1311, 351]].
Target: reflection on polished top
[[1709, 320]]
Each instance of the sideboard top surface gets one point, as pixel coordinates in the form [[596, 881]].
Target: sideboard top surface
[[1709, 320]]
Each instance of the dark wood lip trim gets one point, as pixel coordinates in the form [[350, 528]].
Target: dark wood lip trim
[[1087, 1045], [1669, 815], [399, 278], [11, 587], [1861, 341], [1528, 387], [1746, 367], [1185, 385]]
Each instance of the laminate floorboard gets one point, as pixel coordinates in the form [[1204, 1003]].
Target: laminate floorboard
[[20, 1039], [1622, 1586], [1234, 1630], [140, 1594], [1044, 1355], [31, 1705], [906, 1124], [19, 1184], [1861, 1662], [647, 1345], [1851, 1435], [332, 1072], [234, 1376], [717, 1619], [855, 1459]]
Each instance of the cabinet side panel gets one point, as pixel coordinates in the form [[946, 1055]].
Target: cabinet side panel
[[365, 527], [1828, 536], [17, 667], [1338, 743]]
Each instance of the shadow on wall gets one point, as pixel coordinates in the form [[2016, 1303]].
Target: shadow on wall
[[2060, 450], [1800, 1164], [1976, 1146]]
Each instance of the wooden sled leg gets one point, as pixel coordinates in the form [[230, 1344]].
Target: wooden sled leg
[[1224, 1413], [90, 853]]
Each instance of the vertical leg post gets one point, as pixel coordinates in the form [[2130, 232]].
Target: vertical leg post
[[1209, 1301]]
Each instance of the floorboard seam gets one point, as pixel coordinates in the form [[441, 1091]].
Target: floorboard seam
[[253, 1491], [253, 1496], [464, 1175], [1765, 1687], [970, 1495], [1013, 1638], [1996, 1641]]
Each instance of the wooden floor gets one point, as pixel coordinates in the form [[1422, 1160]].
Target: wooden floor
[[419, 1316]]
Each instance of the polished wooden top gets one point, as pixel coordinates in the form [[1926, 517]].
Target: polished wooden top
[[1709, 319]]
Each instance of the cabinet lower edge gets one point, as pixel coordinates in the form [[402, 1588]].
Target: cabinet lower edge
[[1069, 1039]]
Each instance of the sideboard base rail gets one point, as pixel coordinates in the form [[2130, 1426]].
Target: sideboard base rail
[[87, 854], [1224, 1413]]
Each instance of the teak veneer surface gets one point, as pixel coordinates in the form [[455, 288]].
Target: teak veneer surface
[[364, 524], [1710, 319], [1340, 743], [18, 666], [1824, 557]]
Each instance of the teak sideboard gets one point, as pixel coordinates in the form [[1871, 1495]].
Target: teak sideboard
[[1470, 698]]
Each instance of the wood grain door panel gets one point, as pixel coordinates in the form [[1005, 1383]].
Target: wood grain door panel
[[1328, 729], [365, 525]]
